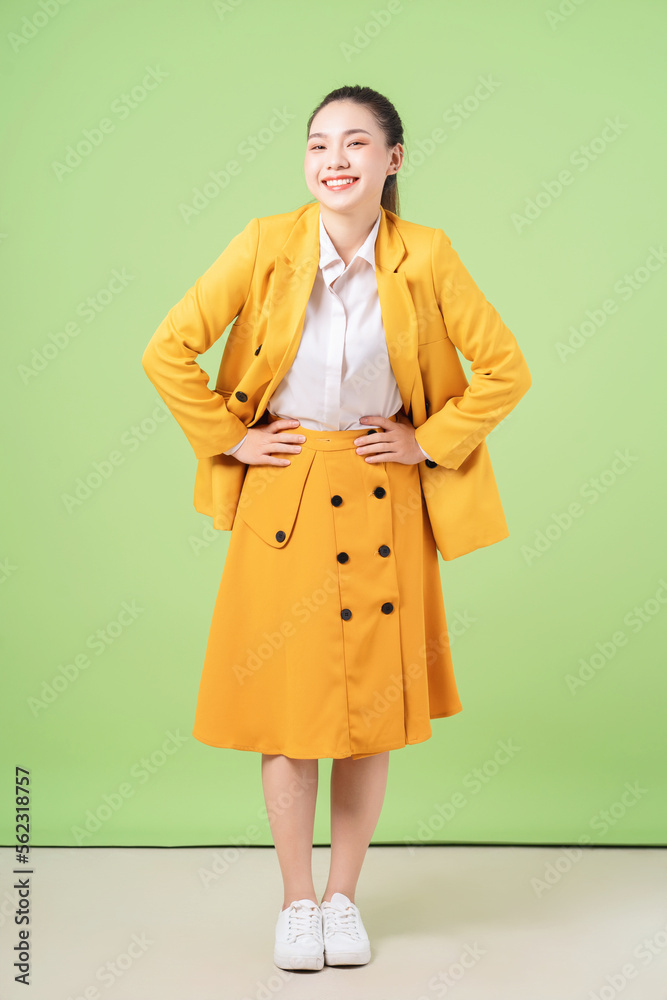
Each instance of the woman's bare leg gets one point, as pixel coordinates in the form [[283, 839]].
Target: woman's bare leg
[[290, 793], [357, 794]]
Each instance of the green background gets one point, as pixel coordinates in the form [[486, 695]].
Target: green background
[[587, 764]]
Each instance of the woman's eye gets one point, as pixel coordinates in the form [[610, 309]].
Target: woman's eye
[[355, 142]]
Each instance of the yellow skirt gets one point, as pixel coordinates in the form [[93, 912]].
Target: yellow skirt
[[329, 636]]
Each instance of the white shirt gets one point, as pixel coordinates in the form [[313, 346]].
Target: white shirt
[[341, 370]]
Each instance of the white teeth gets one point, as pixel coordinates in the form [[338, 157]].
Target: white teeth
[[350, 180]]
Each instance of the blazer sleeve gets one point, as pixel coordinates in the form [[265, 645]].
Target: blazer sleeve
[[189, 329], [499, 372]]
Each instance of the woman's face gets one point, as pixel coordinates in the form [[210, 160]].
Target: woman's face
[[346, 141]]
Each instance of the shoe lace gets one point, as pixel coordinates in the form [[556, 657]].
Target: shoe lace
[[344, 921], [302, 920]]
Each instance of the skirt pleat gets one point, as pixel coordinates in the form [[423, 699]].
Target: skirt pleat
[[328, 636]]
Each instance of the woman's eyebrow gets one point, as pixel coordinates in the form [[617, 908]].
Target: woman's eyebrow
[[348, 131]]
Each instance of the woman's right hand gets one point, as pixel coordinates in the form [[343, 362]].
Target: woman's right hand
[[261, 441]]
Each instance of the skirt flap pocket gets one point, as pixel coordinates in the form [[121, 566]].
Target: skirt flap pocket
[[270, 497]]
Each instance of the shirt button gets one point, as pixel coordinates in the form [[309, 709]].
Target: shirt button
[[387, 608], [342, 557], [241, 395], [430, 464], [379, 491], [336, 500], [280, 536], [384, 550], [346, 614]]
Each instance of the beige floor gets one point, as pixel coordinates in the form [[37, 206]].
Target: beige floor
[[472, 923]]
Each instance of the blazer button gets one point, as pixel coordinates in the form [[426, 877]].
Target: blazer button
[[336, 500], [430, 464], [280, 536], [346, 614], [241, 395], [342, 557], [387, 608], [372, 430], [258, 349], [426, 403], [379, 492], [384, 550]]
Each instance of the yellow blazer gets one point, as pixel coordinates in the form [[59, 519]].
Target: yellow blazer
[[430, 306]]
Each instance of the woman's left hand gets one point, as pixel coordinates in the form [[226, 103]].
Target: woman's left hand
[[395, 442]]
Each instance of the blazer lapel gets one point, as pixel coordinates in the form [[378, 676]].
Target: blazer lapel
[[295, 270], [399, 316]]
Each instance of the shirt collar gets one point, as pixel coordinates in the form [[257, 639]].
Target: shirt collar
[[329, 256]]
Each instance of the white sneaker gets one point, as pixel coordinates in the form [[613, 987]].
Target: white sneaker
[[299, 943], [345, 938]]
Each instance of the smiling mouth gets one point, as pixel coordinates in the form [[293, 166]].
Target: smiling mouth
[[340, 185]]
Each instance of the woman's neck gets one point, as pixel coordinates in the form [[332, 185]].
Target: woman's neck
[[348, 232]]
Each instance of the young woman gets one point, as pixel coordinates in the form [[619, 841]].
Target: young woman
[[343, 447]]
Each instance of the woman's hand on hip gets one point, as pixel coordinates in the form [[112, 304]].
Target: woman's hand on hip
[[263, 441], [394, 442]]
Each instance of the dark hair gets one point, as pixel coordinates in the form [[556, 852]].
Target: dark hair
[[387, 118]]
